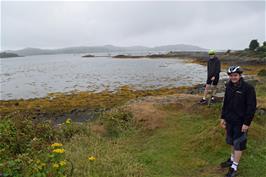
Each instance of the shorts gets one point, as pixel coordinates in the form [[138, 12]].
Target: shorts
[[215, 81], [235, 137]]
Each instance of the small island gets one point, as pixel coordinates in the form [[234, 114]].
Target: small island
[[8, 55], [89, 55], [127, 56]]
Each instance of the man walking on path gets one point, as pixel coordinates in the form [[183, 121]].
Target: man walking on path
[[213, 71], [238, 110]]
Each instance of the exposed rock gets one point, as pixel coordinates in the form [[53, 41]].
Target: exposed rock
[[261, 111], [78, 115]]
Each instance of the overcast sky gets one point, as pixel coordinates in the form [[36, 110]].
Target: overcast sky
[[218, 25]]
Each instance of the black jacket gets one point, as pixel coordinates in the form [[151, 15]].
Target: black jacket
[[213, 67], [239, 104]]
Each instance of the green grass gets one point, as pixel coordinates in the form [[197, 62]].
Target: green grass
[[190, 144]]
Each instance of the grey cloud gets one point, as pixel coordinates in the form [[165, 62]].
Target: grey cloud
[[218, 25]]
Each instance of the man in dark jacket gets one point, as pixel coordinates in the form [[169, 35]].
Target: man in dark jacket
[[213, 71], [238, 110]]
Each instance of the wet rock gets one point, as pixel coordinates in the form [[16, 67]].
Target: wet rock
[[219, 95], [261, 111], [198, 89], [78, 115]]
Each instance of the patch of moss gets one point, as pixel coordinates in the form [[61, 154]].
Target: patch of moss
[[58, 104]]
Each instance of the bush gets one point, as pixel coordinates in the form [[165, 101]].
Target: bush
[[254, 44], [69, 129], [262, 49], [117, 121]]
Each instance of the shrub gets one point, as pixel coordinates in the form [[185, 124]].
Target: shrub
[[254, 44], [117, 121]]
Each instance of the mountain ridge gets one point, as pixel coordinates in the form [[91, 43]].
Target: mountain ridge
[[104, 49]]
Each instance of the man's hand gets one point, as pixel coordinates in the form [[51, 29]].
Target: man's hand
[[244, 128], [223, 123], [212, 78]]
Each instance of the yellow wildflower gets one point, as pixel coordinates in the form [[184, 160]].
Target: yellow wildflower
[[68, 121], [62, 162], [55, 165], [59, 151], [91, 158], [57, 145]]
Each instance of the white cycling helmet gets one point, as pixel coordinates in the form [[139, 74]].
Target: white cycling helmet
[[234, 69]]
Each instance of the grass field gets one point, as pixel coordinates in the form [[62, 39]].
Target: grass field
[[186, 143]]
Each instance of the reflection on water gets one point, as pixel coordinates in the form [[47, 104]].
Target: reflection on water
[[36, 76]]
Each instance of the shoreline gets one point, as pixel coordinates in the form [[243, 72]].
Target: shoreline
[[250, 62], [78, 101], [86, 105], [227, 58]]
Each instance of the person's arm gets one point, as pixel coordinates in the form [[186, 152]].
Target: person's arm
[[224, 104], [208, 68], [251, 106], [217, 67], [222, 119]]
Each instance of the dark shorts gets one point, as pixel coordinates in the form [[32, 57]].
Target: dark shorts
[[235, 137], [215, 82]]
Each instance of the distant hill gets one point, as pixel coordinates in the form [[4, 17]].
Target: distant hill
[[179, 47], [104, 49], [8, 55]]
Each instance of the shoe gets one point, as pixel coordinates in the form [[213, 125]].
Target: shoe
[[231, 173], [203, 101], [226, 164]]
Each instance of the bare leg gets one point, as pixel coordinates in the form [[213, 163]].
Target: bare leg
[[214, 89], [206, 91], [237, 156], [232, 152]]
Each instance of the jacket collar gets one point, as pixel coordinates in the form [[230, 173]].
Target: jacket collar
[[212, 59]]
